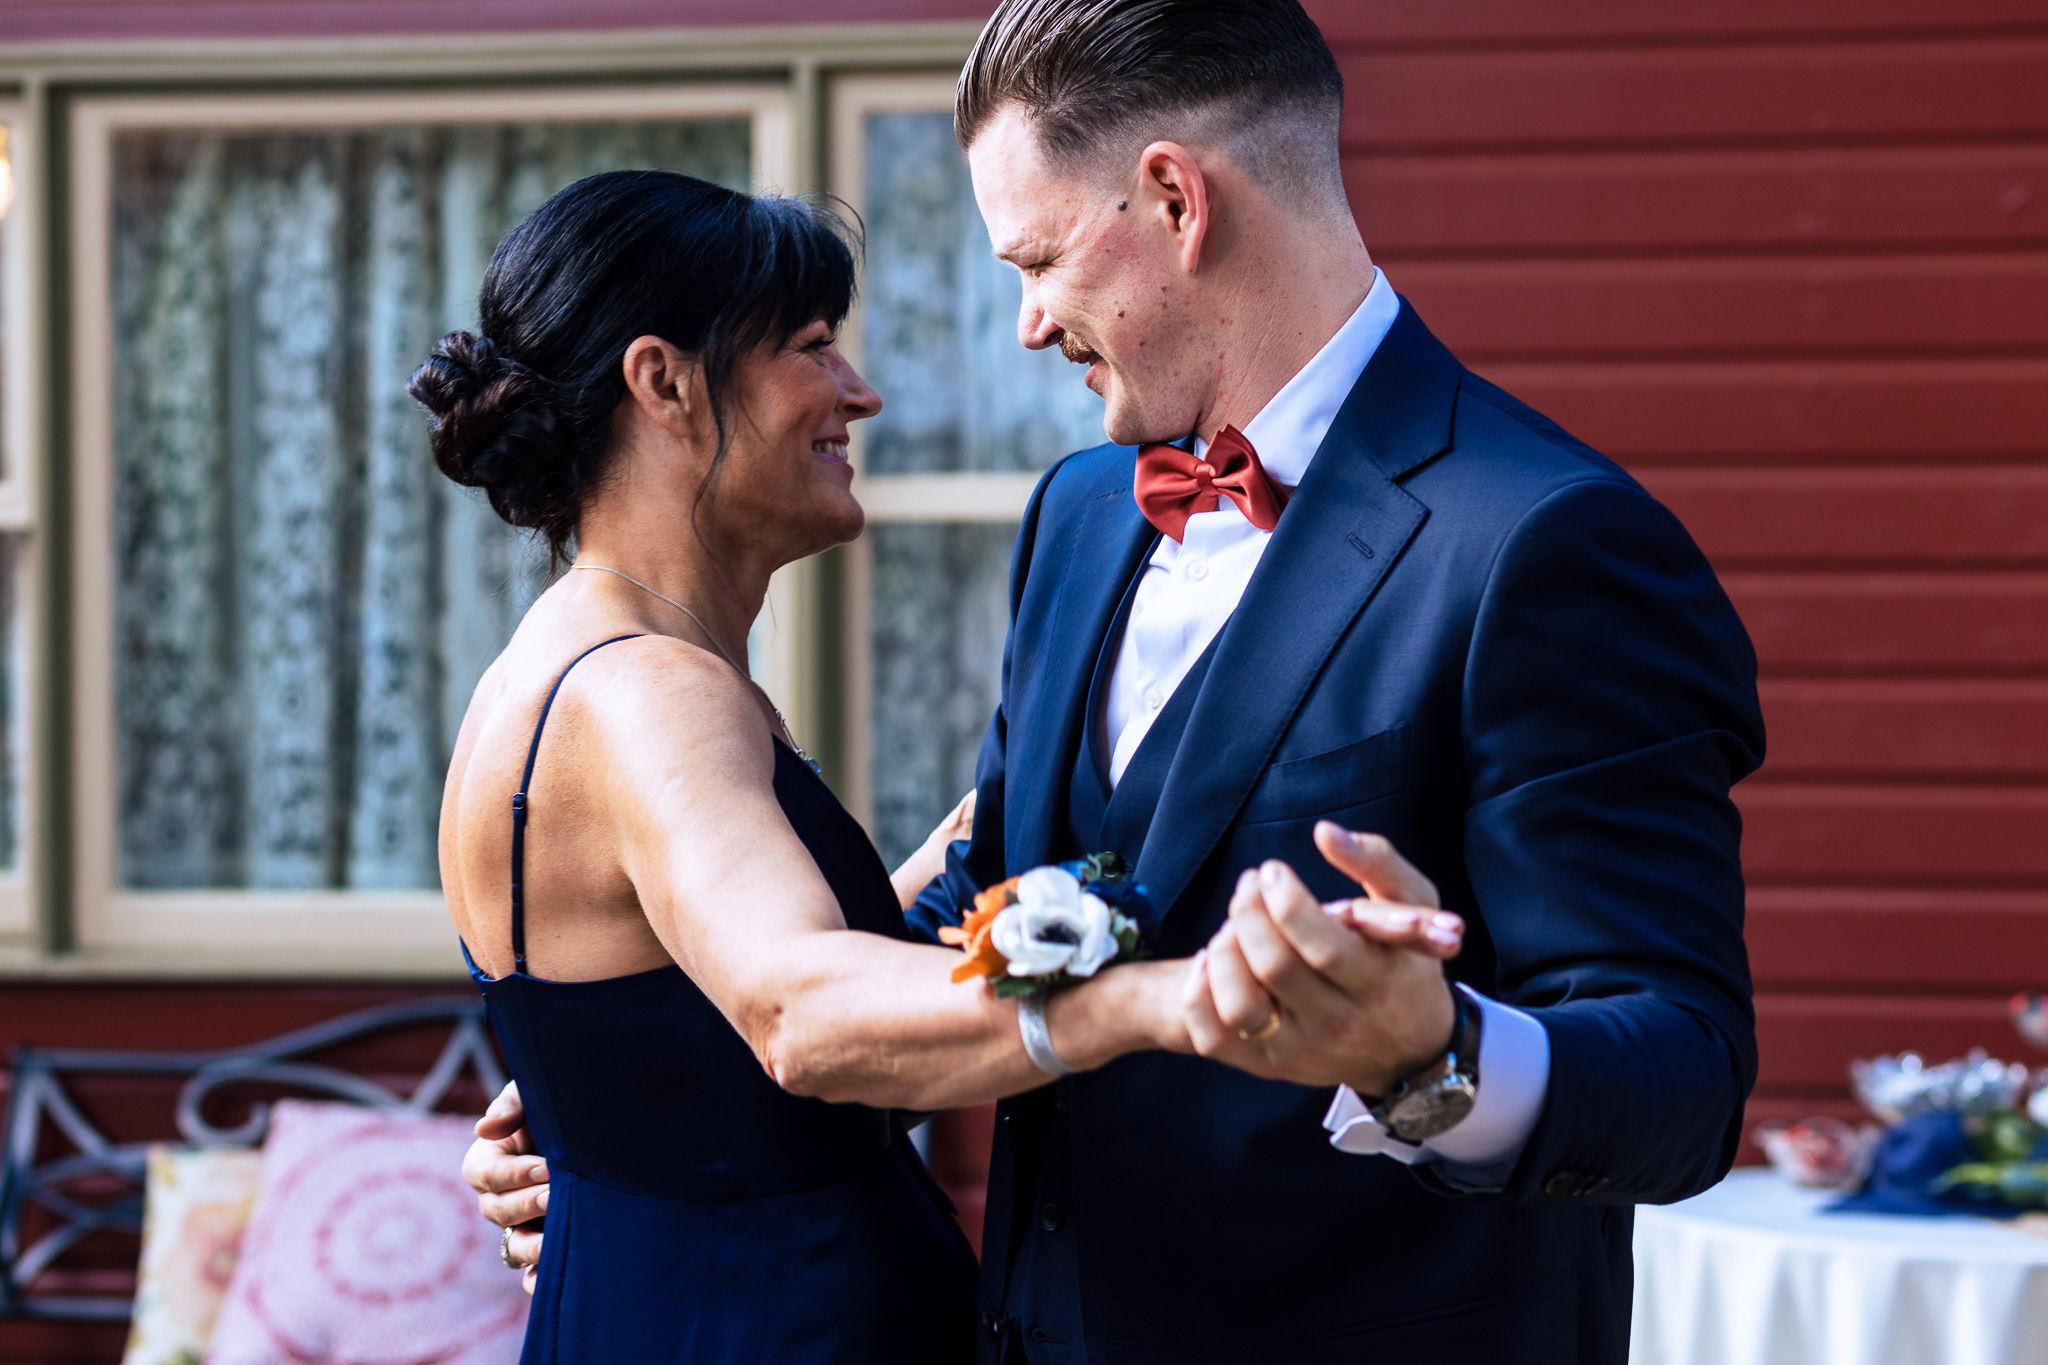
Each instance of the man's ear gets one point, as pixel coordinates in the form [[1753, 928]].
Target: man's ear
[[1171, 185], [662, 381]]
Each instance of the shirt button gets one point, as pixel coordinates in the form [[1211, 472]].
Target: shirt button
[[1052, 1217], [1154, 699], [1198, 570]]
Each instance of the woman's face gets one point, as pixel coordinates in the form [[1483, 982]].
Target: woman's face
[[787, 475]]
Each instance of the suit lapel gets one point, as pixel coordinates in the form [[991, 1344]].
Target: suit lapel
[[1342, 531], [1110, 541]]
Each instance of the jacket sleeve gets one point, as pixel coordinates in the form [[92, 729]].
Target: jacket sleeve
[[1610, 705], [979, 861]]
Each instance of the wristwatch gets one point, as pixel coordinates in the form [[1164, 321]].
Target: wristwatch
[[1437, 1098]]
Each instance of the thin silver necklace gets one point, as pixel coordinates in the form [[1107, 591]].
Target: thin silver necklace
[[780, 719]]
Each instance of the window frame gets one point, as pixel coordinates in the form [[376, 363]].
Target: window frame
[[964, 496], [381, 932], [18, 507]]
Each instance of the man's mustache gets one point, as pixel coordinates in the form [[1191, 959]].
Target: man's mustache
[[1073, 349]]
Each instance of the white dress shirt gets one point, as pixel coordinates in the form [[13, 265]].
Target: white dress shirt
[[1188, 591]]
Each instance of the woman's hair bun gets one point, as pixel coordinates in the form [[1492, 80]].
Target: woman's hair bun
[[495, 427]]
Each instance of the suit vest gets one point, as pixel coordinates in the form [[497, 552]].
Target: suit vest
[[1097, 819]]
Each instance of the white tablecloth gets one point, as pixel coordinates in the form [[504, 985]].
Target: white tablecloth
[[1752, 1273]]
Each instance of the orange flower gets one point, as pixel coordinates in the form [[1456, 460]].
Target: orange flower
[[973, 935]]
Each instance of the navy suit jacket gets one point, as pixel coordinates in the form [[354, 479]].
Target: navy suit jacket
[[1475, 635]]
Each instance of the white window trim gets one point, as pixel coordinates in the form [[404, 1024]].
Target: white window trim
[[891, 498], [17, 514], [380, 932]]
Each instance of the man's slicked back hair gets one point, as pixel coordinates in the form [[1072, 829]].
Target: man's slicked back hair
[[1089, 75]]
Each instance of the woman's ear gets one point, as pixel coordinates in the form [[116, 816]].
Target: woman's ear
[[663, 382]]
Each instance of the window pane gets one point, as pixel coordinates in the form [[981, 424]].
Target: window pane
[[941, 608], [939, 323], [303, 603]]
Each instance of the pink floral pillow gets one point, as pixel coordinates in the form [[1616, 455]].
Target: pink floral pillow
[[366, 1249], [198, 1205]]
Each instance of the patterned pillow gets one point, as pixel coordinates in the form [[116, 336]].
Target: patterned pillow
[[196, 1206], [366, 1249]]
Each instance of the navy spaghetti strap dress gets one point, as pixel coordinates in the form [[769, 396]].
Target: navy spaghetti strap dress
[[698, 1212]]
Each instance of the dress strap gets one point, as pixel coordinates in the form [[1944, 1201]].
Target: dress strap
[[519, 806]]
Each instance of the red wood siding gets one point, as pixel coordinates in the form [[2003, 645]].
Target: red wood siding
[[1788, 261]]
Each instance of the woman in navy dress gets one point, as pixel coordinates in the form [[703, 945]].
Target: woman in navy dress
[[692, 955]]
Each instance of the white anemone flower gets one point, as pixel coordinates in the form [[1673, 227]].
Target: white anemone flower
[[1055, 926]]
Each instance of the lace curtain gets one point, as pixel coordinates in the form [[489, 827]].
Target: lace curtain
[[303, 604], [939, 340]]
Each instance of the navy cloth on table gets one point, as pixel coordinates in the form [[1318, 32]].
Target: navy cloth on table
[[698, 1212], [1910, 1157], [1474, 635]]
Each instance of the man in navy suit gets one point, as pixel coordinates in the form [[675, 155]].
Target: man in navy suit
[[1327, 580]]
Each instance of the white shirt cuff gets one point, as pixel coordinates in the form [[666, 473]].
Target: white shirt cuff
[[1514, 1076]]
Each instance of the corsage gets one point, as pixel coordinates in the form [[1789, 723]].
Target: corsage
[[1052, 926]]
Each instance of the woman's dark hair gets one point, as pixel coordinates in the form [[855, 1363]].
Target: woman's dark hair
[[523, 410]]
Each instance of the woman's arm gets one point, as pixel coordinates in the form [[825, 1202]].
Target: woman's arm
[[738, 902]]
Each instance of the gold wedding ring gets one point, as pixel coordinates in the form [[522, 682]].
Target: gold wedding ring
[[1263, 1031]]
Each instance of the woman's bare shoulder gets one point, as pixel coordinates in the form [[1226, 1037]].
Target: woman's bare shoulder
[[661, 703]]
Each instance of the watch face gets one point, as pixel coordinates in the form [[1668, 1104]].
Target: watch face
[[1422, 1114]]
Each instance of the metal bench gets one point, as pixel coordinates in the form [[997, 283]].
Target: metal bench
[[49, 1206]]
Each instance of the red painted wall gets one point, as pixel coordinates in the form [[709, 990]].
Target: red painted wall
[[1788, 261]]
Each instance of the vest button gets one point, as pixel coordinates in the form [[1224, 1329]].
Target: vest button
[[1052, 1217]]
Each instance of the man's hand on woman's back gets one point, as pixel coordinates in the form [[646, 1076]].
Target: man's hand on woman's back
[[510, 1181]]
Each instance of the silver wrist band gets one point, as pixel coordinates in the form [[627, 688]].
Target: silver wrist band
[[1038, 1038]]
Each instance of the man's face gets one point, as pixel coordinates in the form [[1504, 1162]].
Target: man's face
[[1103, 283]]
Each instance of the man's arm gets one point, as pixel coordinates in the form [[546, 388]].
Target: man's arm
[[1610, 704]]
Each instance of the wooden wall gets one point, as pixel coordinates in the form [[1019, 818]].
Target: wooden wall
[[1788, 261]]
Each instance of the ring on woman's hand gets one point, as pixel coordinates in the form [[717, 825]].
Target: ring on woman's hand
[[505, 1250], [1263, 1031]]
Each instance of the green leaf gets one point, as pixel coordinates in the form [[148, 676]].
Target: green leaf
[[2010, 1137], [1010, 987], [1976, 1174]]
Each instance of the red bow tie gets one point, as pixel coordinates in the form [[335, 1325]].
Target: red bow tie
[[1173, 485]]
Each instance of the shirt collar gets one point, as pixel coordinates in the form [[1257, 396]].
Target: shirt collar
[[1292, 425]]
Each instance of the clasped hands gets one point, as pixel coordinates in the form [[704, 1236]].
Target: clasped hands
[[1349, 993]]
